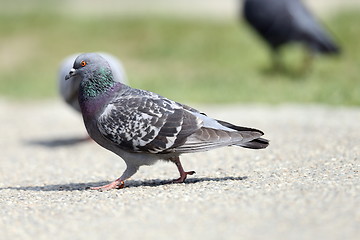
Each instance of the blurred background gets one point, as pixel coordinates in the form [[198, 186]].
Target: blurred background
[[190, 51]]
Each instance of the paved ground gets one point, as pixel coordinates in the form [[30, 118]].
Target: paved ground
[[304, 186]]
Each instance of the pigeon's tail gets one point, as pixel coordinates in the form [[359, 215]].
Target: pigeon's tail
[[258, 143], [321, 42], [216, 133], [238, 128], [327, 47]]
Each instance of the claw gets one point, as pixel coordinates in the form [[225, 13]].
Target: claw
[[117, 184], [183, 176]]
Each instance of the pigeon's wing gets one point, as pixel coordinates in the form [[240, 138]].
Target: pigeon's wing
[[147, 123], [309, 29], [271, 19]]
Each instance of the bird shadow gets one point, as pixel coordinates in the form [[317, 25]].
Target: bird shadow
[[59, 142], [129, 184]]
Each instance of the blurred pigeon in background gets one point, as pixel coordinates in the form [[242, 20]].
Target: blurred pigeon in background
[[280, 22], [143, 127], [69, 89]]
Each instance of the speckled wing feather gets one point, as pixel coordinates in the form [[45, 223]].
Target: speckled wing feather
[[147, 123]]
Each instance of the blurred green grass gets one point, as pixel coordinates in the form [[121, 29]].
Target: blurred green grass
[[186, 60]]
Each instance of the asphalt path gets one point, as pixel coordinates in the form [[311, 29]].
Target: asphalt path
[[305, 185]]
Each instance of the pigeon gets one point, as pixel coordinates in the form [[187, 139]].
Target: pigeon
[[143, 127], [280, 22], [69, 89]]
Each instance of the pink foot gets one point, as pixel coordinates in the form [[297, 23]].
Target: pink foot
[[117, 184], [183, 176]]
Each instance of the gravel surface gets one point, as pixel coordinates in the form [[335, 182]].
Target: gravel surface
[[304, 186]]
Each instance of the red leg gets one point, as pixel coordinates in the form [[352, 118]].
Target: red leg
[[183, 174], [117, 184]]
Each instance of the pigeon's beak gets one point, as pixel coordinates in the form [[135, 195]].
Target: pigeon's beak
[[71, 73]]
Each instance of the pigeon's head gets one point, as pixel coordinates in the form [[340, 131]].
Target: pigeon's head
[[90, 65]]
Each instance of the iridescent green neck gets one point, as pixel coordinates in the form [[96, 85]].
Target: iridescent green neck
[[97, 83]]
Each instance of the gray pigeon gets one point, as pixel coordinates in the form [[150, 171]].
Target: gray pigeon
[[69, 89], [143, 127], [283, 21]]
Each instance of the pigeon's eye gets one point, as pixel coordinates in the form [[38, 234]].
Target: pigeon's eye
[[83, 63]]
